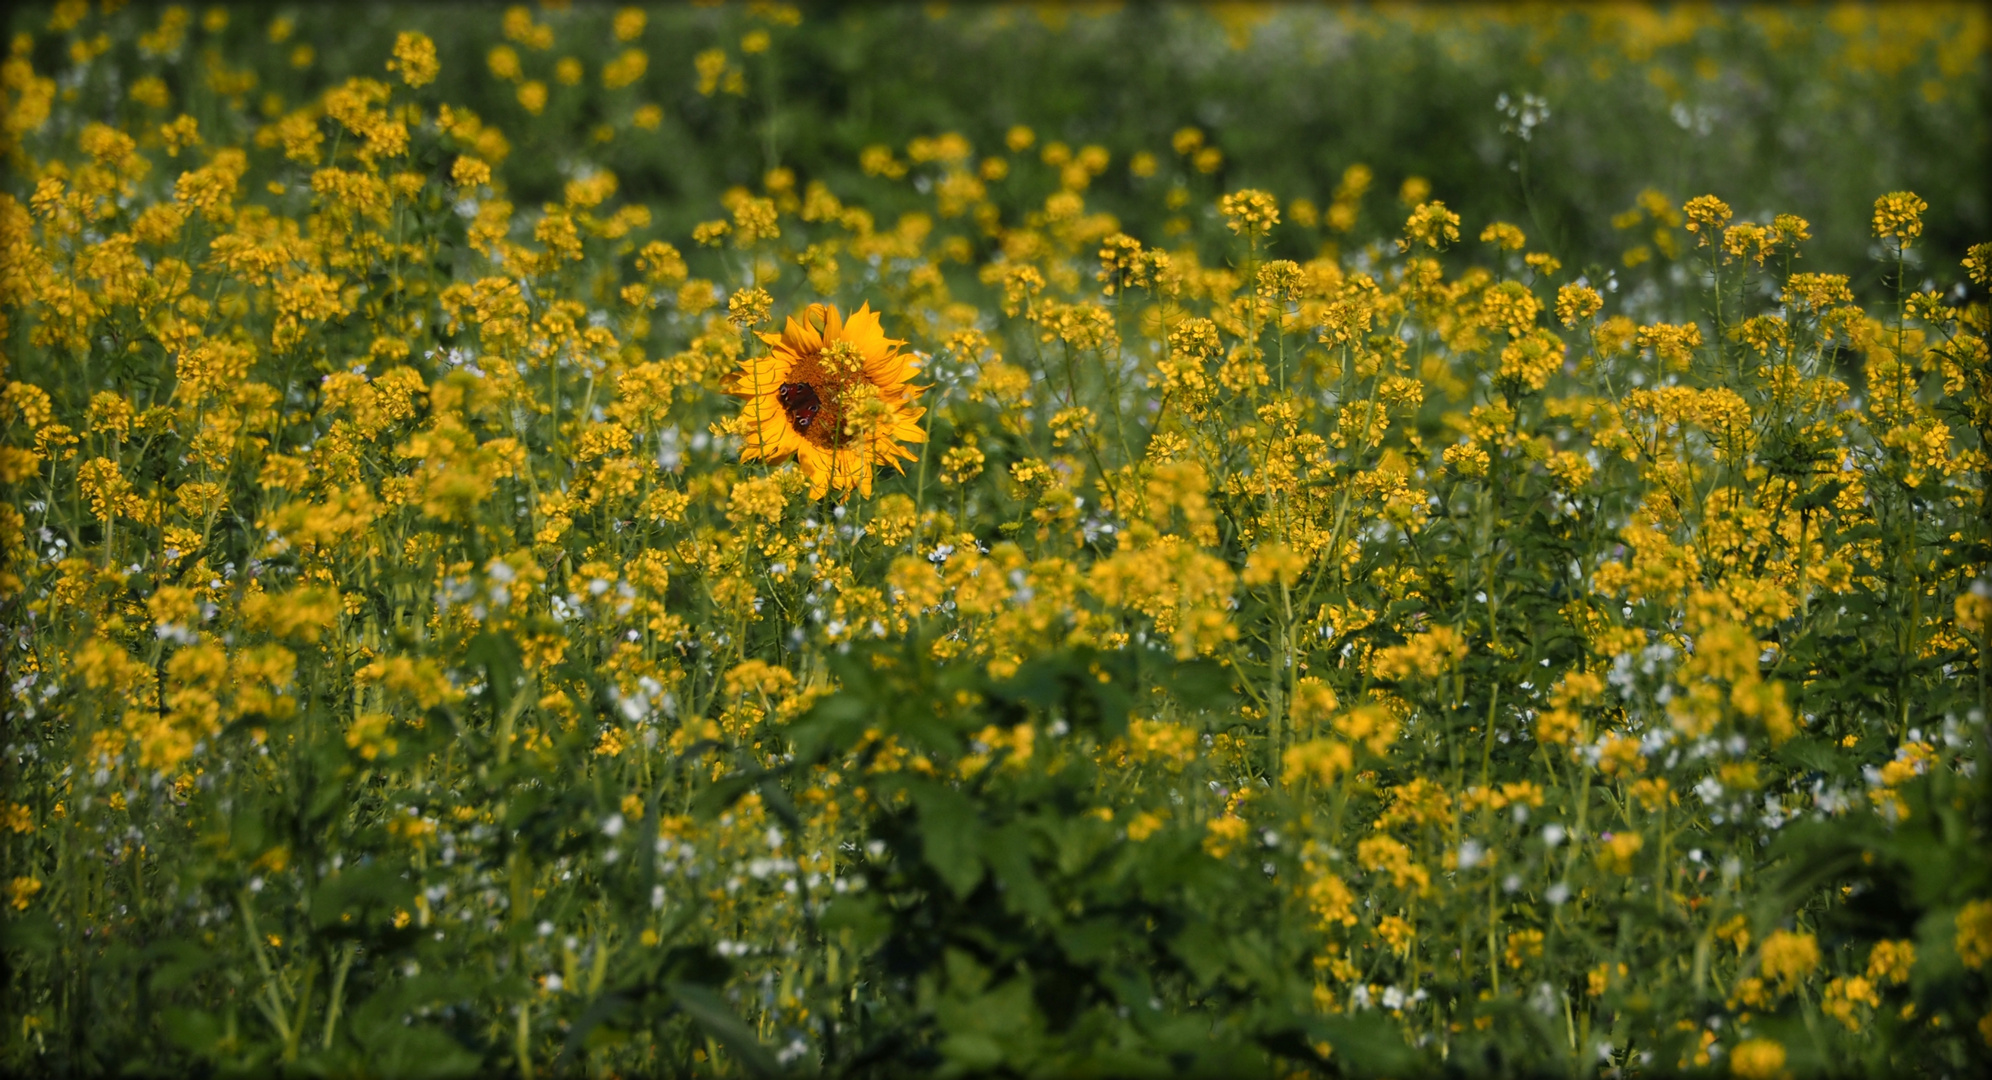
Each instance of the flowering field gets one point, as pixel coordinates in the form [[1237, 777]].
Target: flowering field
[[544, 545]]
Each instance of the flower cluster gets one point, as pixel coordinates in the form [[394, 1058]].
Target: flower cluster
[[452, 626]]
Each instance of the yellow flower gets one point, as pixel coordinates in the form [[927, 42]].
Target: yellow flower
[[1330, 899], [832, 393], [1313, 701], [614, 742], [1422, 655], [369, 735], [1599, 979], [1523, 945], [1706, 214], [1898, 215], [503, 60], [1977, 259], [1222, 834], [1653, 793], [756, 499], [1789, 957], [1250, 213], [1274, 562], [1617, 853], [1974, 933], [625, 69], [961, 464], [1398, 932], [1317, 759], [1467, 459], [1758, 1059], [532, 96], [1504, 236], [21, 890], [1843, 995], [151, 91], [1388, 854], [1432, 225], [469, 172], [1174, 745], [711, 65], [414, 58], [1575, 303]]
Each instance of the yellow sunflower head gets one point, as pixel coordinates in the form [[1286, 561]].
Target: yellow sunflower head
[[832, 393]]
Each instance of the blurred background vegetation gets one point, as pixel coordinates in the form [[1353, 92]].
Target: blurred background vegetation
[[1806, 109]]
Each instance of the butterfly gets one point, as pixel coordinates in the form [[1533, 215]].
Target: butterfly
[[800, 401]]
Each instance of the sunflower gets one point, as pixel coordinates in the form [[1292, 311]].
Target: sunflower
[[832, 393]]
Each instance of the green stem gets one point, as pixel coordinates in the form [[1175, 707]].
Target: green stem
[[338, 991]]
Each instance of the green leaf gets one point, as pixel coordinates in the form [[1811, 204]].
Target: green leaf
[[1008, 853], [522, 805], [416, 1052], [965, 976], [178, 962], [1365, 1044], [985, 1030], [860, 915], [726, 791], [499, 656], [191, 1029], [32, 932], [1092, 941], [592, 1029], [395, 1043], [971, 1052], [712, 1014], [831, 726], [370, 893], [1807, 752], [1937, 963], [1202, 950], [950, 835], [776, 799], [248, 831]]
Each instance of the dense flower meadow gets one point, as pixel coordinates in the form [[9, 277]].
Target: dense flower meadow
[[913, 627]]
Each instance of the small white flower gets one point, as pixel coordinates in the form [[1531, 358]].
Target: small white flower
[[1470, 854]]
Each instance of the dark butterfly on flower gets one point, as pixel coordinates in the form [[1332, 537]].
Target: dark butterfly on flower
[[801, 403]]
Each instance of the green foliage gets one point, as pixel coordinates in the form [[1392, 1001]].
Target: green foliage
[[1013, 930]]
